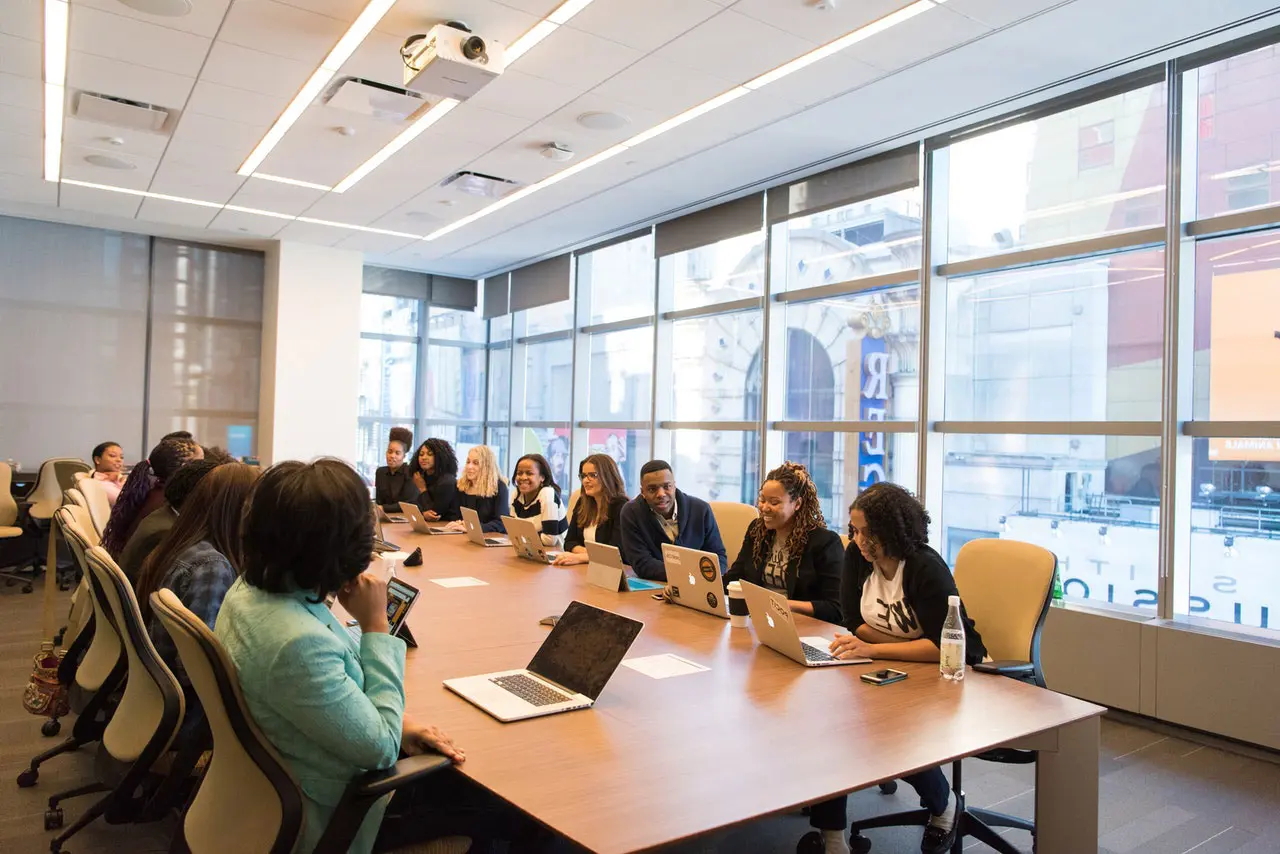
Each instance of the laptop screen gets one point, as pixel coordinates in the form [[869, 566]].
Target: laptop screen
[[400, 597], [585, 648]]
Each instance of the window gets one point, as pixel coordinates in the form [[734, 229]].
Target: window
[[617, 281], [869, 238], [844, 464], [499, 384], [450, 324], [553, 443], [716, 362], [388, 378], [548, 381], [1052, 180], [383, 315], [463, 437], [621, 375], [1071, 341], [715, 465], [389, 354], [555, 317], [1238, 152], [455, 382], [629, 449], [730, 270]]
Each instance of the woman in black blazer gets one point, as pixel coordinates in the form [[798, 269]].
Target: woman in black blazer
[[790, 549], [595, 518], [436, 476]]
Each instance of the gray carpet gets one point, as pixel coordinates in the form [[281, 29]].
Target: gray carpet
[[1161, 794]]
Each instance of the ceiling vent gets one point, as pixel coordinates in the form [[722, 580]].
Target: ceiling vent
[[122, 113], [476, 184], [368, 98]]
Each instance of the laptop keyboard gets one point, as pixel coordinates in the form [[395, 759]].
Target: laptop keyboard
[[812, 653], [530, 690]]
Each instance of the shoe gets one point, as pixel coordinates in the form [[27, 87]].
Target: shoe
[[939, 841]]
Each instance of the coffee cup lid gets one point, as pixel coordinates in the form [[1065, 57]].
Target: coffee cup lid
[[735, 587]]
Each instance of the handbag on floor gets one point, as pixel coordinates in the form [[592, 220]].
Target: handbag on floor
[[45, 695]]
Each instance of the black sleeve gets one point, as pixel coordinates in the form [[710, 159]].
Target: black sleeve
[[743, 569], [926, 589], [444, 498], [828, 557], [382, 488], [609, 532], [409, 492], [574, 538], [856, 572], [501, 506]]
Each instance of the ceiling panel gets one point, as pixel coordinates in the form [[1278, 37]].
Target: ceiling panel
[[381, 243], [20, 57], [470, 123], [195, 131], [98, 201], [664, 87], [377, 58], [271, 196], [227, 102], [282, 30], [175, 178], [132, 143], [523, 96], [247, 223], [820, 25], [203, 20], [27, 189], [125, 80], [645, 25], [24, 167], [315, 151], [176, 213], [734, 47], [21, 121], [255, 71], [565, 121], [575, 58], [76, 167], [921, 37], [540, 8], [26, 93], [815, 83], [309, 232], [23, 18], [502, 22], [999, 13], [24, 144], [129, 40]]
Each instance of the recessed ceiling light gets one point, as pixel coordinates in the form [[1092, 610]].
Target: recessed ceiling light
[[600, 120], [166, 8], [106, 161]]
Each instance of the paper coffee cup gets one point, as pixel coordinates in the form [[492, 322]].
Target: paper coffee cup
[[737, 606]]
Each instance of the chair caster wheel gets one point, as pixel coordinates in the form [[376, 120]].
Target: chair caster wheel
[[810, 843], [28, 778], [859, 844], [53, 818], [889, 788], [27, 589], [51, 728]]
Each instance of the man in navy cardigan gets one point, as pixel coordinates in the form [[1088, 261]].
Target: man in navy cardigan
[[664, 514]]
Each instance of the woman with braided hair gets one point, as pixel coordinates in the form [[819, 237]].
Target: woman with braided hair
[[790, 549]]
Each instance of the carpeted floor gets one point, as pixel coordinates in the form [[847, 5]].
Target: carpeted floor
[[1161, 794]]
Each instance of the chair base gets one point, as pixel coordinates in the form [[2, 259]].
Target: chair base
[[974, 823]]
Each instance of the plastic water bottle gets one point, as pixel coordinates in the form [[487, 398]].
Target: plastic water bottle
[[951, 660]]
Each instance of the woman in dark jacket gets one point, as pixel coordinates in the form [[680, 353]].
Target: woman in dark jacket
[[393, 482], [790, 549], [595, 517], [895, 591], [436, 476]]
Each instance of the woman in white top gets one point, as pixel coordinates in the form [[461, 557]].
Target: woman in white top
[[595, 517], [538, 497]]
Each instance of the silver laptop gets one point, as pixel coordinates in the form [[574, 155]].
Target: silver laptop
[[380, 543], [568, 672], [384, 516], [419, 522], [607, 570], [694, 579], [475, 532], [776, 628], [526, 539], [400, 599]]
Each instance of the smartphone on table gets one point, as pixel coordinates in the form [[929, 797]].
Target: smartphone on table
[[884, 677]]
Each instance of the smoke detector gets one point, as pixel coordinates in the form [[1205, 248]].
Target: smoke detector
[[557, 151]]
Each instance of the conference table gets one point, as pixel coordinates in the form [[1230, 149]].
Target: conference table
[[656, 761]]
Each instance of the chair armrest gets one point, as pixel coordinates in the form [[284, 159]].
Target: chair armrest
[[365, 790], [1015, 669]]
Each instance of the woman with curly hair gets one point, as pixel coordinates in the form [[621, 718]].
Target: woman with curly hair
[[435, 473], [789, 548], [482, 489], [894, 593], [143, 492]]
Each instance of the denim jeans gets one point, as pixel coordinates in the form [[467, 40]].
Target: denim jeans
[[931, 785]]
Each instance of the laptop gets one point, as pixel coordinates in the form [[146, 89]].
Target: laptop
[[694, 579], [380, 543], [400, 599], [568, 672], [526, 539], [776, 628], [607, 570], [471, 524], [419, 522], [384, 516]]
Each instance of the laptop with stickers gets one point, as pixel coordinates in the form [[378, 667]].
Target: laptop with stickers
[[775, 626], [526, 539], [694, 579]]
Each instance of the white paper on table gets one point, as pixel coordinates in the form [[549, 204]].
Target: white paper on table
[[398, 557], [460, 581], [663, 666]]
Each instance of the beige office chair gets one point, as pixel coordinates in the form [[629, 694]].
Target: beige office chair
[[96, 501], [1006, 587], [11, 537], [81, 600], [55, 477], [248, 801], [733, 520], [573, 502]]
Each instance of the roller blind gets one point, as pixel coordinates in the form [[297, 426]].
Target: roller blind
[[397, 283], [866, 179], [732, 219], [496, 296], [543, 283], [450, 292]]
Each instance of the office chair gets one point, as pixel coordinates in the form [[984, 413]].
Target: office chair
[[1006, 587], [55, 477], [97, 502], [248, 801], [733, 519], [143, 727], [19, 551]]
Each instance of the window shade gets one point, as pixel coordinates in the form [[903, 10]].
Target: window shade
[[866, 179], [497, 296], [449, 292], [543, 283], [732, 219], [396, 283]]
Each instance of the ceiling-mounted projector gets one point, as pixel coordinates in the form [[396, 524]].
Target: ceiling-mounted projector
[[449, 61]]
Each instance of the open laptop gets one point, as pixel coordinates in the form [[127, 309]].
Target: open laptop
[[419, 522], [380, 543], [384, 516], [400, 599], [776, 628], [526, 539], [476, 534], [607, 570], [568, 672], [694, 579]]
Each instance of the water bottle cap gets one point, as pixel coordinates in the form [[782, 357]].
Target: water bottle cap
[[953, 600]]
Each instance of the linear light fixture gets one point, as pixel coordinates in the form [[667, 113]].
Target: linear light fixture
[[351, 39], [543, 28], [863, 33], [56, 21], [406, 136], [292, 182]]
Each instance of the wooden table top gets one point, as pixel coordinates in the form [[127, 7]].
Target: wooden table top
[[660, 760]]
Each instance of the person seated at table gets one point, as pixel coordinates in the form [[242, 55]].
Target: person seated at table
[[199, 562], [538, 497], [143, 492], [790, 549], [108, 467], [894, 596], [333, 707], [154, 529], [597, 516], [393, 482], [664, 514], [482, 489], [435, 473]]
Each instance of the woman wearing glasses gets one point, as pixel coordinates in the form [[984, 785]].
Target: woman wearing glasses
[[595, 518]]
